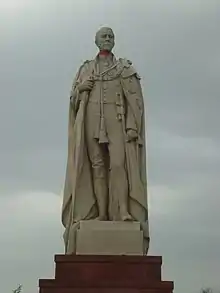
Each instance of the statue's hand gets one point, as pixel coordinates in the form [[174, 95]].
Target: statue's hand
[[132, 134], [86, 86]]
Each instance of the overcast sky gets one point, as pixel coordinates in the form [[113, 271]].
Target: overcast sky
[[175, 46]]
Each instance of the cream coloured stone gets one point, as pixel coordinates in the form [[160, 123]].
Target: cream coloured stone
[[106, 164], [109, 238], [109, 225]]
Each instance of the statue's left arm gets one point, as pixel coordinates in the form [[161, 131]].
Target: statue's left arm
[[133, 93]]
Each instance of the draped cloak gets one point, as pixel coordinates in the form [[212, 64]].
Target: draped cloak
[[79, 202]]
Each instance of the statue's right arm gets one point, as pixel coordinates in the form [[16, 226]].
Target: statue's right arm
[[78, 84], [74, 89]]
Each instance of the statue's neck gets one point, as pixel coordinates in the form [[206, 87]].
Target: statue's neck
[[105, 59], [105, 53]]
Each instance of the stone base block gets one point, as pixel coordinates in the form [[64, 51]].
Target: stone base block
[[109, 238]]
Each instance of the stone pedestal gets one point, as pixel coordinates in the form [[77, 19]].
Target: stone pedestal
[[109, 238], [106, 274]]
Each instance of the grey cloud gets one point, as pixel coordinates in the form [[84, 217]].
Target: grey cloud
[[175, 47]]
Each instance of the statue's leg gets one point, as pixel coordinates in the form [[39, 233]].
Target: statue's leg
[[100, 186], [118, 177], [96, 154]]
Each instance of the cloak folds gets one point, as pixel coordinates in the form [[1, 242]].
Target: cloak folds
[[79, 201]]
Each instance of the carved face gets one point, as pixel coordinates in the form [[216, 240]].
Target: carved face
[[105, 39]]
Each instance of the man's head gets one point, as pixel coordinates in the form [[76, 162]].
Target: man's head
[[105, 39]]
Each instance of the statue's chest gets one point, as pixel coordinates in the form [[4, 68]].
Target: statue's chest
[[107, 83], [106, 90], [108, 73]]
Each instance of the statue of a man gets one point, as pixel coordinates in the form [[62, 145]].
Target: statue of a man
[[106, 167]]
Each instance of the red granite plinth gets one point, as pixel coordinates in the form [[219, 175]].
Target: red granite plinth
[[106, 274]]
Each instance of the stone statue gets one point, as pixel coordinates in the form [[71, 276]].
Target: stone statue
[[106, 165]]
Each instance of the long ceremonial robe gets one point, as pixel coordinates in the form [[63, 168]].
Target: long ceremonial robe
[[79, 202]]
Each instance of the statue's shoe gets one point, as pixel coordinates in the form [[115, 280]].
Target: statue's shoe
[[101, 218], [126, 217]]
